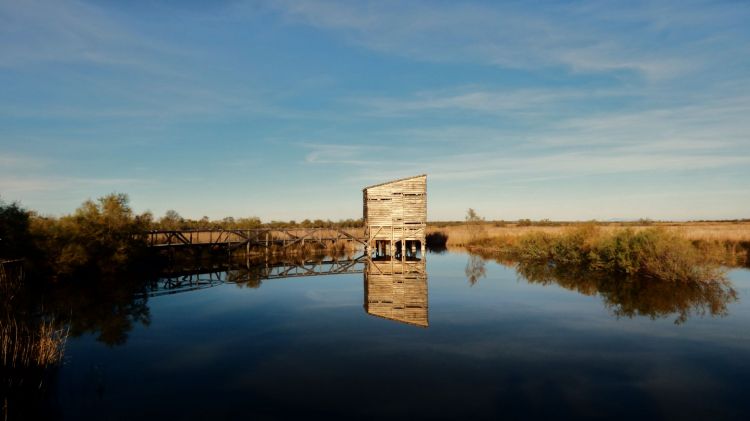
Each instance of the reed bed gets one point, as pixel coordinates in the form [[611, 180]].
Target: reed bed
[[25, 340], [650, 252], [25, 344], [462, 234]]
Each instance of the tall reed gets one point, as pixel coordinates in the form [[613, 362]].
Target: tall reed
[[26, 340]]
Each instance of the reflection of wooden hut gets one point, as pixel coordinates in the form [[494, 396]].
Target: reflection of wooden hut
[[395, 213], [397, 290]]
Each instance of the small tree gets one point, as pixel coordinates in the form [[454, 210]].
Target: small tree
[[102, 235], [171, 220], [15, 239], [475, 225], [524, 222]]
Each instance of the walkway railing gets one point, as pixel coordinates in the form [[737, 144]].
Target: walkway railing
[[262, 237]]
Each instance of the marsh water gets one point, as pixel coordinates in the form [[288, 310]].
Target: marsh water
[[454, 337]]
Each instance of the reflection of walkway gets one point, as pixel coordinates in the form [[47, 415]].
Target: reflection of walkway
[[397, 290], [199, 276]]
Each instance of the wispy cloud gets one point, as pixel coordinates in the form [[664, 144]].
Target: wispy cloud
[[10, 161], [358, 155], [73, 31], [531, 101], [585, 36], [28, 184], [101, 63], [508, 156], [508, 94]]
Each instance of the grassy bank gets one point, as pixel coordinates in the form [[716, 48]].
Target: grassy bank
[[648, 252], [461, 234]]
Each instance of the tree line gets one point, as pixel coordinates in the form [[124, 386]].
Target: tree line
[[173, 221], [106, 235]]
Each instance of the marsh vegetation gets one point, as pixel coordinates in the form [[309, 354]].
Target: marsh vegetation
[[106, 236], [32, 344], [649, 253], [677, 252], [91, 273]]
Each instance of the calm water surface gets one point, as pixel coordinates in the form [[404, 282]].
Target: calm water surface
[[496, 346]]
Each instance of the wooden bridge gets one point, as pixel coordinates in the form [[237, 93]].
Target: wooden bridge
[[249, 238]]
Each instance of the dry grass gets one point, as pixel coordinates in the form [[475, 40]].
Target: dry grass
[[460, 235], [660, 252], [25, 341], [23, 345]]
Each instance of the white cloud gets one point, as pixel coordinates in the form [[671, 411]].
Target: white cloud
[[587, 36], [528, 101], [71, 31], [40, 183], [713, 134], [358, 155]]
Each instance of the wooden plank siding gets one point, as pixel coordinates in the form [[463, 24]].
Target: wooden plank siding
[[397, 290], [396, 210]]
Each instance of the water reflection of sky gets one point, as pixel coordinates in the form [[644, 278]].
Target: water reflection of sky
[[502, 347]]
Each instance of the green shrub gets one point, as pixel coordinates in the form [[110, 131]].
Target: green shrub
[[104, 235], [651, 253], [15, 239]]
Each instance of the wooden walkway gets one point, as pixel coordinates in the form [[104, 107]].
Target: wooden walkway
[[264, 237]]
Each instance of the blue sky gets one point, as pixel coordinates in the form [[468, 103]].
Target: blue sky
[[286, 109]]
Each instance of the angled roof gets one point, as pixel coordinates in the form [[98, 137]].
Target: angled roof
[[394, 181]]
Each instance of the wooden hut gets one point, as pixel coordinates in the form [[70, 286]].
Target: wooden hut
[[397, 290], [395, 215]]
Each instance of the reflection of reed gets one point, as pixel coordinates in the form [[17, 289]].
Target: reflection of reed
[[633, 296], [397, 290]]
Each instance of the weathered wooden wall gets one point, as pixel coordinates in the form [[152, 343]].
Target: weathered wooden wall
[[397, 290], [396, 211]]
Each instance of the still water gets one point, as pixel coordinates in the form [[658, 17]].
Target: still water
[[469, 339]]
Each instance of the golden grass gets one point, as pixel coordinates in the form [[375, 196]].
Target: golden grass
[[460, 235], [24, 345], [25, 342], [659, 252]]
